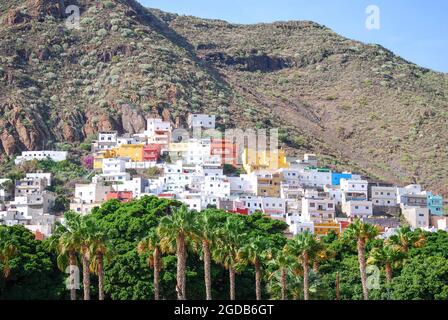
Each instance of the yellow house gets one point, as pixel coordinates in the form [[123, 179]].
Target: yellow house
[[323, 228], [254, 160], [132, 151], [99, 156]]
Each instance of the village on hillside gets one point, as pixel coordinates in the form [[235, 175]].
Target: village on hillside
[[210, 172]]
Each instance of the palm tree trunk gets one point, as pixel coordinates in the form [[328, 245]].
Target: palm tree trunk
[[283, 282], [156, 257], [362, 268], [258, 280], [306, 293], [100, 276], [207, 273], [73, 276], [338, 290], [181, 262], [232, 283], [86, 275], [315, 266], [388, 272]]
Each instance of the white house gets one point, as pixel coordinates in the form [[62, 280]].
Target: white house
[[410, 190], [176, 178], [4, 192], [274, 207], [244, 184], [40, 175], [252, 203], [135, 185], [309, 160], [290, 176], [56, 156], [216, 187], [334, 193], [91, 193], [158, 131], [317, 209], [384, 196], [357, 208], [315, 177], [192, 200], [201, 121], [114, 170], [297, 225], [88, 196], [354, 187], [417, 217], [106, 141]]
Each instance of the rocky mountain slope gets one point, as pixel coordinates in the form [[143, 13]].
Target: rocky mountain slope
[[361, 105]]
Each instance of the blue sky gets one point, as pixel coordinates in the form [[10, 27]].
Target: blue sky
[[417, 30]]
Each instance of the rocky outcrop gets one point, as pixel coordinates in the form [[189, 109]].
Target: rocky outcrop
[[132, 120], [39, 8], [251, 62], [99, 122], [14, 17]]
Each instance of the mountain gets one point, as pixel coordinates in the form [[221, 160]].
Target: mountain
[[357, 105]]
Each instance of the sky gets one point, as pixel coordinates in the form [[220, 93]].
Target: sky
[[417, 30]]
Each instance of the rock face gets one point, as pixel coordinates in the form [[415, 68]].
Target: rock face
[[251, 62], [132, 119], [14, 17], [39, 8]]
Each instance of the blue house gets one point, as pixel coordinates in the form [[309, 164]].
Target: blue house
[[336, 178], [435, 204]]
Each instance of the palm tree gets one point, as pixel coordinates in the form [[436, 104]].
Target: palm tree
[[229, 242], [323, 254], [405, 238], [361, 233], [206, 232], [7, 252], [99, 250], [151, 244], [387, 255], [282, 263], [84, 235], [178, 227], [67, 241], [255, 252], [304, 246]]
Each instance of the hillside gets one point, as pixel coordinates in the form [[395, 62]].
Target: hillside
[[360, 105]]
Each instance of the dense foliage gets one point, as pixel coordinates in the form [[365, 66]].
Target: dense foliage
[[419, 271]]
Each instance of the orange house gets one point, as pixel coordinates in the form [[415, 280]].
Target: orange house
[[225, 149]]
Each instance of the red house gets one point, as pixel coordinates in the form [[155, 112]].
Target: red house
[[122, 196], [244, 212], [151, 152]]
